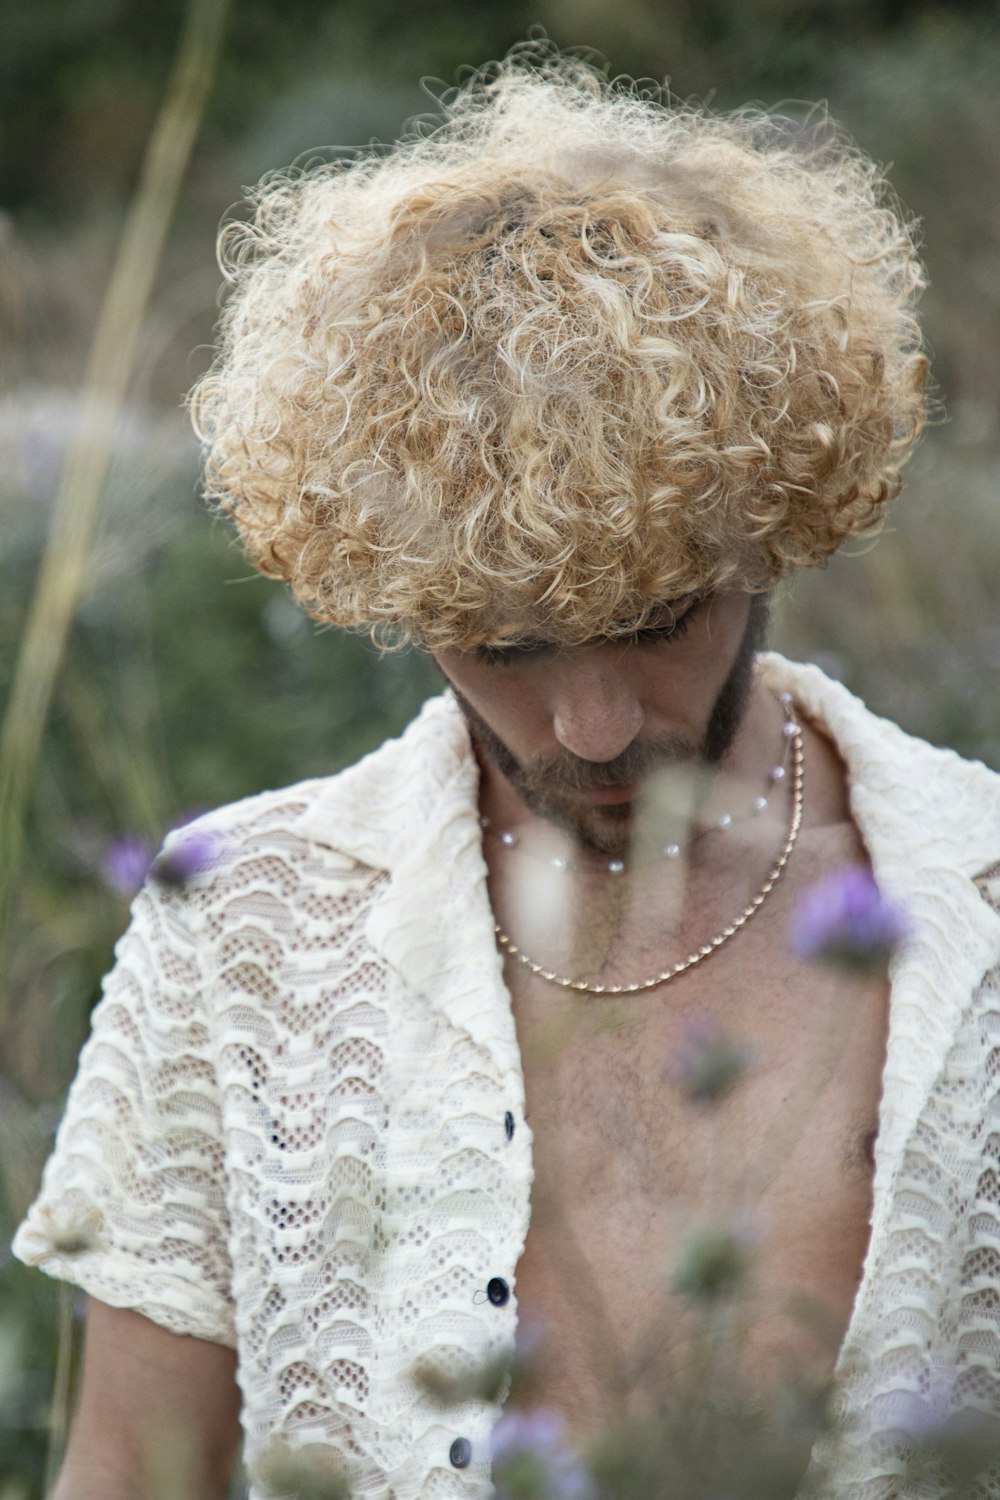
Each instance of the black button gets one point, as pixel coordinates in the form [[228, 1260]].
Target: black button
[[508, 1125], [460, 1453], [497, 1290]]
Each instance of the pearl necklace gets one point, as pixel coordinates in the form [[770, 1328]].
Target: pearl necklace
[[774, 875], [672, 851]]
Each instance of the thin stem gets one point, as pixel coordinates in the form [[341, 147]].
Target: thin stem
[[61, 1394], [64, 563]]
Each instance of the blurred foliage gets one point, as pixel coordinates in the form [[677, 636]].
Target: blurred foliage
[[189, 681]]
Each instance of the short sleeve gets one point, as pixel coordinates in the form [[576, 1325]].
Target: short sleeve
[[132, 1206]]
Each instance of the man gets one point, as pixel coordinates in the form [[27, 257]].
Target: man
[[558, 391]]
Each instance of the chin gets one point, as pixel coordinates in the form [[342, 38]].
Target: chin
[[608, 832], [605, 830]]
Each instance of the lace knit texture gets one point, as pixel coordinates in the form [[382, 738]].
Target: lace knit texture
[[290, 1128]]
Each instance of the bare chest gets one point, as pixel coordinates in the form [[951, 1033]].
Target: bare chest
[[636, 1174]]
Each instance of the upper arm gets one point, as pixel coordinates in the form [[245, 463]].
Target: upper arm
[[132, 1205], [149, 1398]]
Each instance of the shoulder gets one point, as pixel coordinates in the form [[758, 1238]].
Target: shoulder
[[852, 721], [879, 755], [286, 849], [344, 813], [267, 820], [928, 818]]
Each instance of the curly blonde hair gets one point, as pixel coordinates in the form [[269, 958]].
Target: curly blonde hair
[[568, 354]]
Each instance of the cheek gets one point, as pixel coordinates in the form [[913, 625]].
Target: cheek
[[684, 680], [678, 695], [720, 639], [504, 697]]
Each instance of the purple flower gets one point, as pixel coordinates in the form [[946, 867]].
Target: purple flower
[[313, 1472], [844, 919], [715, 1260], [528, 1358], [533, 1458], [125, 864], [186, 818], [709, 1063], [183, 858], [939, 1432]]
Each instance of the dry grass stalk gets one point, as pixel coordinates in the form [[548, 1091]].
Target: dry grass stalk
[[64, 563]]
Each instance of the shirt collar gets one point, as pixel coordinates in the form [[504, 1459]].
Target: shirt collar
[[915, 805], [929, 820]]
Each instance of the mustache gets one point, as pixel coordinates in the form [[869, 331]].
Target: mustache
[[635, 763]]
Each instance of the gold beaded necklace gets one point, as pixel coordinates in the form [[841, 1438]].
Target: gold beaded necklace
[[707, 949]]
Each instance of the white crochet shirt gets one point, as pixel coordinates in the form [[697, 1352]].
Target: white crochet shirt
[[298, 1125]]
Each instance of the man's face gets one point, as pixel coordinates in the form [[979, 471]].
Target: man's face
[[577, 731]]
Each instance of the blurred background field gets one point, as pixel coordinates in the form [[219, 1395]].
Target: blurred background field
[[187, 681]]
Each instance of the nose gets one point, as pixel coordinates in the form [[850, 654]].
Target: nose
[[595, 712]]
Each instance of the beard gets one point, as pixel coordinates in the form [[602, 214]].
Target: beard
[[550, 785]]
